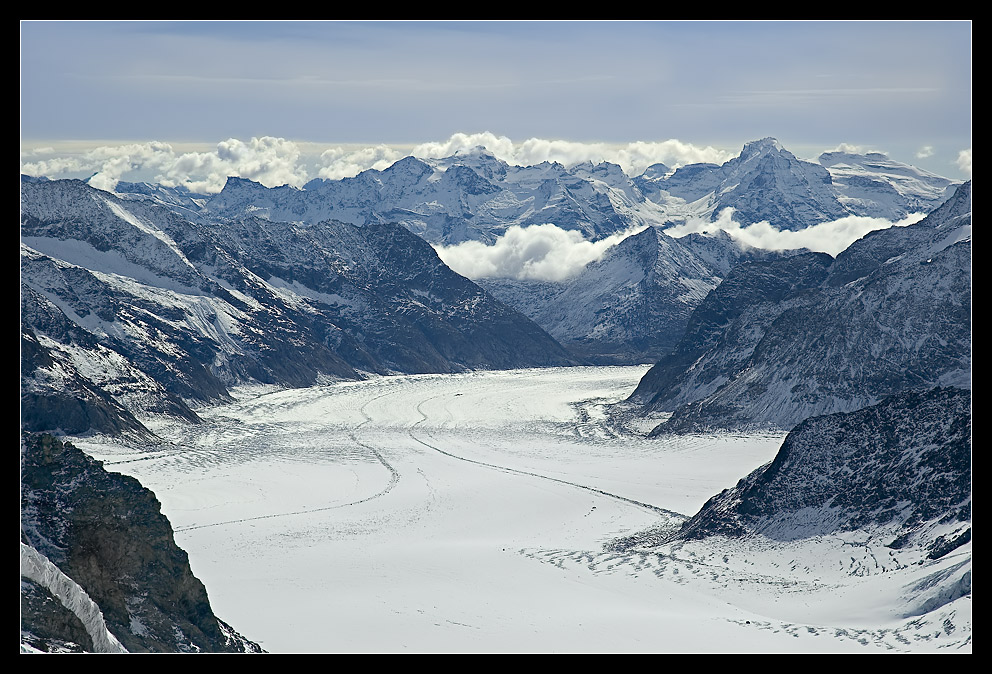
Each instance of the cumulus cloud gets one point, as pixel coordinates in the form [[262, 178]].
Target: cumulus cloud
[[848, 148], [538, 252], [266, 160], [964, 161], [338, 163], [275, 161], [632, 157], [501, 146], [924, 152], [826, 237], [270, 161]]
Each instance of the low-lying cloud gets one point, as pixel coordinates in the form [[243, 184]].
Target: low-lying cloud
[[549, 253], [826, 237], [538, 252]]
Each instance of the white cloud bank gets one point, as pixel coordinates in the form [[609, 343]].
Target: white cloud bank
[[632, 157], [549, 253], [275, 161], [537, 252], [826, 237], [270, 161]]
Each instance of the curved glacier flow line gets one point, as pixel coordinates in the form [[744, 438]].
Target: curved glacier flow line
[[517, 471], [394, 478]]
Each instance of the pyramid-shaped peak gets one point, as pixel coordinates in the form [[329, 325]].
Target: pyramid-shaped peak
[[237, 182], [409, 164], [763, 146]]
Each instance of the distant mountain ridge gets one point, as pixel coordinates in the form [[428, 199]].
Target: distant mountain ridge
[[631, 306], [473, 195], [158, 299]]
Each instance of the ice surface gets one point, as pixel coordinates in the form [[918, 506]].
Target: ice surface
[[478, 512]]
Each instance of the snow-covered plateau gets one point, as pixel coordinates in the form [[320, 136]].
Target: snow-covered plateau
[[510, 511]]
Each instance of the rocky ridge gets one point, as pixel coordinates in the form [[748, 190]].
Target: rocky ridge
[[106, 533], [892, 312], [903, 463]]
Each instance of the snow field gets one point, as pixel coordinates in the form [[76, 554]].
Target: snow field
[[471, 513]]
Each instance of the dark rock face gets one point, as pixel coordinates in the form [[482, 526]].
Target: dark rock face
[[747, 285], [47, 625], [107, 532], [769, 353], [905, 461]]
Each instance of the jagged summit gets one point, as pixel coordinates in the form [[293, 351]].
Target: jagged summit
[[765, 182], [762, 146]]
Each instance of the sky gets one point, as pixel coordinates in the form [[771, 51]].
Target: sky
[[285, 102]]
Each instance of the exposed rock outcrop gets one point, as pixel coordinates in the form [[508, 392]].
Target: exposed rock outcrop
[[107, 533]]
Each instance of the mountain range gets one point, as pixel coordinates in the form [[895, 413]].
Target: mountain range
[[473, 195], [780, 341], [632, 305], [155, 301], [128, 308]]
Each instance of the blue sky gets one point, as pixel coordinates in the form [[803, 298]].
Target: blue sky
[[899, 87]]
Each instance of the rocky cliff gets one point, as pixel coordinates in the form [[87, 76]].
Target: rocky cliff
[[106, 533]]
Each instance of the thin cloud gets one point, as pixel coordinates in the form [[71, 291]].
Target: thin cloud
[[849, 148], [925, 151]]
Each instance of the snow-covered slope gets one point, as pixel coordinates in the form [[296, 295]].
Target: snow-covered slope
[[892, 312], [765, 182], [128, 307], [876, 186], [903, 464], [631, 306]]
